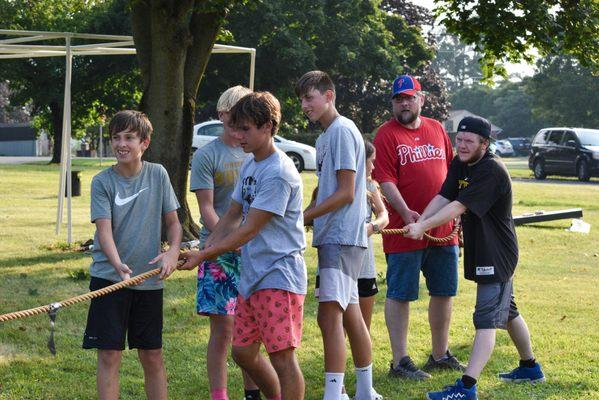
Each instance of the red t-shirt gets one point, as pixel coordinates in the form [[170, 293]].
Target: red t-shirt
[[416, 161]]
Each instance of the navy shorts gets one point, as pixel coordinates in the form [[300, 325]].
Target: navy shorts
[[126, 313], [439, 265]]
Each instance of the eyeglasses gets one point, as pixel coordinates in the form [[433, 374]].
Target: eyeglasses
[[407, 98]]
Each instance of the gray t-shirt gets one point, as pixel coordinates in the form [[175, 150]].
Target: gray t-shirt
[[339, 147], [135, 207], [273, 259], [216, 167], [368, 268]]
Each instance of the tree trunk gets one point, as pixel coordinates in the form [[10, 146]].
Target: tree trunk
[[56, 112], [174, 40]]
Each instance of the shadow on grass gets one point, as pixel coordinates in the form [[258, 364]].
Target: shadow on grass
[[49, 258]]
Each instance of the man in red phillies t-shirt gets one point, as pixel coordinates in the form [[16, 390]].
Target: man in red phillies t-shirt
[[413, 156]]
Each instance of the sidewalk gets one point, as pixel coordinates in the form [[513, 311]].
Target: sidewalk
[[22, 160]]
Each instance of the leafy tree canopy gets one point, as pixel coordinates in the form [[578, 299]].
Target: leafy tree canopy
[[361, 45], [565, 93], [509, 30]]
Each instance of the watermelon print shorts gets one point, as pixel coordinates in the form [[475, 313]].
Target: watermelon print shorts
[[270, 316]]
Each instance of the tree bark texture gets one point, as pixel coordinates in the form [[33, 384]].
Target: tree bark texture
[[174, 40], [56, 115]]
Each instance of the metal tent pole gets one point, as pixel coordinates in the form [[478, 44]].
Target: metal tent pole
[[65, 156]]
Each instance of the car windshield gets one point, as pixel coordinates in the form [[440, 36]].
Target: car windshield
[[588, 137]]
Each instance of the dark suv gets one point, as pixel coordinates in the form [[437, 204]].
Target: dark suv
[[521, 145], [565, 151]]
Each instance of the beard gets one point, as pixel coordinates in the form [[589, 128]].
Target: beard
[[406, 117], [474, 157]]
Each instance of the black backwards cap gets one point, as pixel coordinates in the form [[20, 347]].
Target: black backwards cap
[[477, 125]]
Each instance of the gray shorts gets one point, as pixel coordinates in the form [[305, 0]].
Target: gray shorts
[[495, 305], [338, 268]]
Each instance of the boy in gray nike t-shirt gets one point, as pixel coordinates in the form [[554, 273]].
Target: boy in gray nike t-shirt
[[129, 201], [265, 219]]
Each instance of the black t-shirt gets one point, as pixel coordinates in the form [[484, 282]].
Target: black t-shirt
[[490, 243]]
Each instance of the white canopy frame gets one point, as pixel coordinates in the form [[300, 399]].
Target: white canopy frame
[[25, 44]]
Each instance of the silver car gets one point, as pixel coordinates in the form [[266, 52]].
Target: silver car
[[302, 155]]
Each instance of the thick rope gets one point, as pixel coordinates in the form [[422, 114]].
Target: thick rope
[[84, 297], [403, 231]]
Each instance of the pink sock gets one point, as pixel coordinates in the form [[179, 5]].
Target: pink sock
[[219, 394], [277, 397]]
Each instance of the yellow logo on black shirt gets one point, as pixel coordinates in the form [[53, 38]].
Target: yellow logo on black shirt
[[463, 183]]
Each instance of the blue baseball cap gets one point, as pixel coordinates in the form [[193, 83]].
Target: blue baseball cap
[[405, 84]]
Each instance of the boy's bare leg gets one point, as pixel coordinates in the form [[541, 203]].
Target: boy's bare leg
[[330, 321], [289, 373], [439, 318], [366, 306], [520, 335], [484, 343], [357, 333], [154, 373], [221, 333], [107, 375], [258, 368]]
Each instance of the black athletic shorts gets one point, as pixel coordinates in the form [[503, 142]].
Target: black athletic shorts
[[367, 287], [135, 314]]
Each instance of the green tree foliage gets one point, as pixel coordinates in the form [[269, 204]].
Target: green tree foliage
[[507, 106], [100, 84], [508, 30], [565, 93], [362, 46], [8, 112], [456, 62]]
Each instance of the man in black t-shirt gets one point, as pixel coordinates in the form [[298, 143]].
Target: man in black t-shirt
[[479, 188]]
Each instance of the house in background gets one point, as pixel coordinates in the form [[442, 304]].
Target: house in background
[[21, 139], [455, 116]]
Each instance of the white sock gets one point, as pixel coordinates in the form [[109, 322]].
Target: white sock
[[364, 382], [333, 382]]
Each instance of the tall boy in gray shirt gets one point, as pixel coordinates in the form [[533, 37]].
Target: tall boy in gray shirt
[[129, 202], [338, 215], [267, 202]]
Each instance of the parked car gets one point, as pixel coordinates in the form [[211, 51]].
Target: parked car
[[565, 151], [520, 145], [302, 155], [503, 148]]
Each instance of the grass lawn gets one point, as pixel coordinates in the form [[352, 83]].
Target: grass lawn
[[556, 288]]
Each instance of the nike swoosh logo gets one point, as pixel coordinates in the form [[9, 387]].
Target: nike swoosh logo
[[121, 202]]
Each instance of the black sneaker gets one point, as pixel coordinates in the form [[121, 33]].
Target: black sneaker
[[447, 362], [408, 370]]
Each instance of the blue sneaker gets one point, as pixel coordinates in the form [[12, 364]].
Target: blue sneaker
[[523, 374], [454, 392]]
